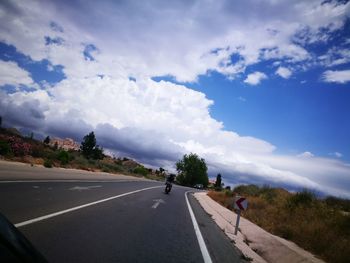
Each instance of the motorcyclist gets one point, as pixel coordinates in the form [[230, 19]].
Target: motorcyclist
[[169, 182], [170, 178]]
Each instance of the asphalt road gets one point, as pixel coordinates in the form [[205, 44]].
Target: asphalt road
[[114, 218]]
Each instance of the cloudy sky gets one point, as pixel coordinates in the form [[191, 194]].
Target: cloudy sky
[[260, 89]]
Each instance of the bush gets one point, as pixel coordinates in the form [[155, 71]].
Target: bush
[[5, 148], [19, 148], [141, 170], [228, 192], [48, 163], [63, 157], [339, 203], [250, 189], [303, 198], [38, 151]]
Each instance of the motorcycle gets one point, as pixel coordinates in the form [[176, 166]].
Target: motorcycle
[[168, 187]]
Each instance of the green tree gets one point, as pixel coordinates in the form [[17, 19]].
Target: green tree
[[47, 140], [89, 148], [192, 170], [218, 182]]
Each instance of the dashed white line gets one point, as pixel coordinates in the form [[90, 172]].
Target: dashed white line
[[203, 247], [34, 220]]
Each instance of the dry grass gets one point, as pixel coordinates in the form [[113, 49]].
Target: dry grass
[[313, 224]]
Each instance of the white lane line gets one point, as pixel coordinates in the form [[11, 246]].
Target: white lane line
[[70, 181], [31, 221], [200, 239]]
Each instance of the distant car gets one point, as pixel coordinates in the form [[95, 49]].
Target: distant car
[[198, 186]]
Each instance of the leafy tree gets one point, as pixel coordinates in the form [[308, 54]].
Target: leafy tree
[[47, 140], [218, 182], [192, 170], [89, 148]]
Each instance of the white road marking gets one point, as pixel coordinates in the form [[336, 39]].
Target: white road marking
[[31, 221], [203, 247], [157, 202], [68, 181], [80, 188]]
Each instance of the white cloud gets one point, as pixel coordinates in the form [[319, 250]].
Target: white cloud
[[284, 72], [335, 56], [336, 154], [338, 76], [12, 74], [255, 78], [149, 49], [305, 155]]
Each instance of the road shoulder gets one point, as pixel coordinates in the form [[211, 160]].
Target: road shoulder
[[254, 242], [219, 245]]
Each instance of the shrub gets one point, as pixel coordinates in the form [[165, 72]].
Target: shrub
[[63, 157], [38, 151], [303, 198], [19, 148], [48, 163], [338, 203], [228, 192], [250, 189], [141, 170], [5, 148]]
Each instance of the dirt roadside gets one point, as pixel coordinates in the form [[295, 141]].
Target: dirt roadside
[[254, 242]]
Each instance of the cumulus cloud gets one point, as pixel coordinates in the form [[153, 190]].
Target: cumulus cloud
[[255, 78], [12, 74], [284, 72], [109, 69], [337, 76]]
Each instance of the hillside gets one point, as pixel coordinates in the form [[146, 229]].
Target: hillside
[[319, 226], [16, 147]]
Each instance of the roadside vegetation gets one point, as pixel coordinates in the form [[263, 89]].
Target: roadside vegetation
[[321, 226], [90, 157]]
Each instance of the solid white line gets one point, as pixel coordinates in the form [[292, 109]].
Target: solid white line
[[31, 221], [200, 239], [70, 181]]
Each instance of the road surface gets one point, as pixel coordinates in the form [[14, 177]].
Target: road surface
[[72, 216]]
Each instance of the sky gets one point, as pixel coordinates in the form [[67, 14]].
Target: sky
[[259, 89]]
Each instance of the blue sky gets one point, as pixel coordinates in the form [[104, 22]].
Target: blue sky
[[260, 89]]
